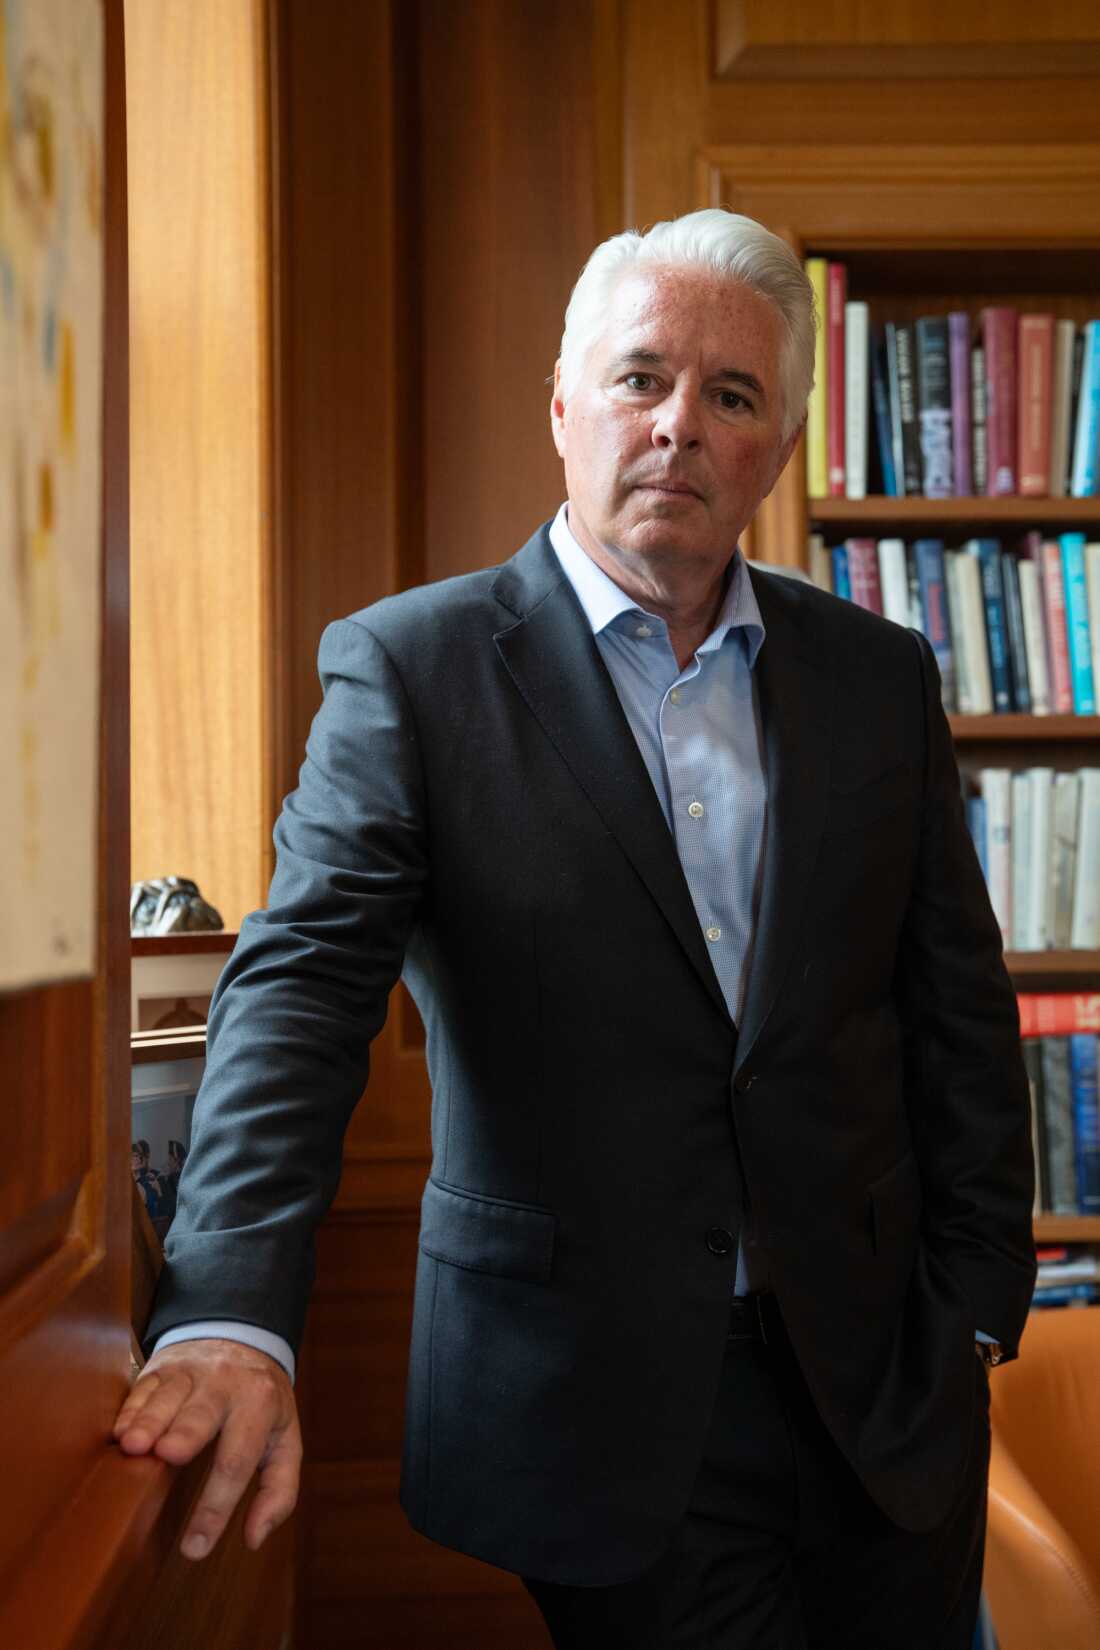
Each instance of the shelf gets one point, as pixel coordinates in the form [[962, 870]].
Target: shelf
[[183, 945], [1029, 512], [1011, 726], [1084, 963], [1067, 1228]]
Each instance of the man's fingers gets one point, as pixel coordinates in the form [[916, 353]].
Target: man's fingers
[[170, 1397], [278, 1491], [240, 1449]]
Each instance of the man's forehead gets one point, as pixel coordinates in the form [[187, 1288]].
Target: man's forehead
[[654, 311]]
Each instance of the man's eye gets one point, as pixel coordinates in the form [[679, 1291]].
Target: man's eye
[[732, 399], [639, 381]]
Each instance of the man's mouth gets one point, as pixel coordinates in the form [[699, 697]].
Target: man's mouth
[[670, 487]]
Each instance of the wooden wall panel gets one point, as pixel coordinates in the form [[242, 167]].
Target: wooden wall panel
[[197, 94]]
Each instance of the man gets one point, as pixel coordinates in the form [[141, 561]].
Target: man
[[731, 1163]]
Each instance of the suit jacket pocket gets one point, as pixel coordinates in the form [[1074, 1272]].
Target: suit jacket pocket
[[487, 1234], [859, 802]]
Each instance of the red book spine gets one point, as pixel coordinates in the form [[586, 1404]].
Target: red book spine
[[1054, 611], [999, 331], [863, 571], [1036, 387], [1058, 1014], [834, 379]]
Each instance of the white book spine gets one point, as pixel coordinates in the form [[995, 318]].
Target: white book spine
[[1063, 858], [856, 392], [1041, 788], [951, 559], [894, 578], [977, 649], [1021, 860], [1035, 640], [995, 784], [1085, 931], [1061, 397], [1092, 589]]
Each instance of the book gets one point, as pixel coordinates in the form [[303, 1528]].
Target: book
[[934, 407], [988, 554], [880, 400], [935, 624], [1074, 400], [999, 336], [1092, 586], [1037, 928], [1078, 636], [915, 620], [1085, 926], [842, 585], [1054, 617], [958, 331], [1017, 642], [1021, 859], [894, 580], [1058, 1013], [834, 403], [1035, 349], [951, 559], [978, 442], [821, 565], [856, 331], [816, 463], [979, 682], [1033, 1064], [1035, 638], [907, 403], [1086, 1121], [1058, 1108], [996, 790], [975, 824], [863, 574], [1063, 858], [1087, 432], [1060, 401]]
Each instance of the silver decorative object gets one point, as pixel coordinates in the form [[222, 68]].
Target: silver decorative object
[[170, 905]]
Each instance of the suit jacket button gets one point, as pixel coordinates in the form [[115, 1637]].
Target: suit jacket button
[[719, 1241], [743, 1082]]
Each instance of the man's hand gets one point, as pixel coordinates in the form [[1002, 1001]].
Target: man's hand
[[191, 1392]]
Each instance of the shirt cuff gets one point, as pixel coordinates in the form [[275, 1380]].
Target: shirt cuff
[[980, 1335], [231, 1329]]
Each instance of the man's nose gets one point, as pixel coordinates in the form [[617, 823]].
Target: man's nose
[[677, 424]]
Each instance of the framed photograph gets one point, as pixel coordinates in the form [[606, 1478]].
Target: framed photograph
[[165, 1076], [172, 978]]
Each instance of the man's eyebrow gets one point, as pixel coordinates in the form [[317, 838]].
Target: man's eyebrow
[[651, 358]]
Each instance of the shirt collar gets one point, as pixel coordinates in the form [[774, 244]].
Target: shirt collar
[[603, 600]]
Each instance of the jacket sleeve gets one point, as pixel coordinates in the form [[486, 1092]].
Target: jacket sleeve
[[297, 1005], [966, 1086]]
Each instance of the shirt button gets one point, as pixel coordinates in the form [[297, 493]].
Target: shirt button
[[719, 1241], [674, 695], [644, 630], [714, 933], [696, 810]]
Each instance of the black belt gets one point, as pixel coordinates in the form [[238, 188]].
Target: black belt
[[755, 1318]]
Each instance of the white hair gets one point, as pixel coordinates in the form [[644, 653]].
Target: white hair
[[731, 246]]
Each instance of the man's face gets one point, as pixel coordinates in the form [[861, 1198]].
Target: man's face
[[672, 435]]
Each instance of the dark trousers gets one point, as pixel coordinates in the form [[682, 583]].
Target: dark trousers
[[781, 1547]]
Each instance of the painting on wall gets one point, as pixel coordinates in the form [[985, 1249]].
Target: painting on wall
[[51, 384]]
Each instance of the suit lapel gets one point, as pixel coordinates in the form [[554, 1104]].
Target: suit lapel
[[552, 657], [795, 694]]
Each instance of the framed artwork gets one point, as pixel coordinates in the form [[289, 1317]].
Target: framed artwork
[[165, 1078]]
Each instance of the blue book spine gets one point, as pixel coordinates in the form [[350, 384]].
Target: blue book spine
[[1086, 1120], [975, 820], [1077, 623], [988, 552], [842, 584], [1086, 437], [1017, 647], [880, 401], [935, 619]]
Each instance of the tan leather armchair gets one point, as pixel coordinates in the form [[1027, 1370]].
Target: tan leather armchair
[[1042, 1562]]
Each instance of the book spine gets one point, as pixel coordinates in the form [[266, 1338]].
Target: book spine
[[1077, 623], [864, 575], [1092, 587], [894, 580], [1075, 401], [1086, 1121], [855, 399], [1035, 635], [1061, 397], [979, 436], [1034, 1066], [1058, 1095], [907, 401], [976, 825], [893, 385], [1021, 859], [953, 592], [816, 411], [999, 333], [1054, 613], [996, 789], [915, 620], [1017, 644], [1058, 1013], [842, 584], [821, 563], [1085, 929], [934, 404], [1063, 866], [988, 552], [935, 623], [1041, 805], [1087, 434], [838, 291], [958, 326], [884, 440], [1036, 370]]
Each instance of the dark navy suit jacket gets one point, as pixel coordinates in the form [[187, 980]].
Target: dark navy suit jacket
[[473, 809]]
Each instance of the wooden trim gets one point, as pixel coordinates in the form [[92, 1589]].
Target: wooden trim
[[183, 945], [180, 1043], [1011, 726], [1026, 963], [920, 511], [1067, 1228]]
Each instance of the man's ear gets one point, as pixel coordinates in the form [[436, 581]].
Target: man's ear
[[557, 412]]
